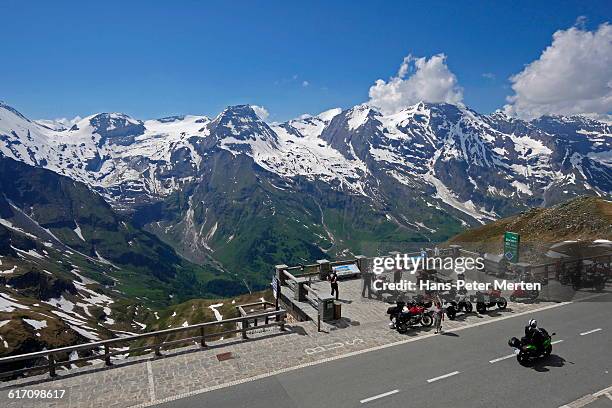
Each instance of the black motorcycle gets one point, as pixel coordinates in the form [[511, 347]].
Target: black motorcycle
[[527, 351], [594, 277]]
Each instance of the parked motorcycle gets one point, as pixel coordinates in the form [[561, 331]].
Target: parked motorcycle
[[488, 299], [564, 278], [425, 300], [594, 276], [527, 352], [523, 294], [454, 303], [412, 317]]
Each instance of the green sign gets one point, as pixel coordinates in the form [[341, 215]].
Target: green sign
[[511, 246]]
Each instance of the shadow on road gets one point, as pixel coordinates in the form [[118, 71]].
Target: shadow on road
[[553, 360], [298, 330], [497, 312], [343, 323], [460, 317]]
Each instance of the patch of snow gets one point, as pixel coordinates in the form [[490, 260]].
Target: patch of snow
[[8, 304], [218, 315], [521, 187], [91, 335], [8, 271], [36, 324], [61, 303], [467, 207], [78, 231]]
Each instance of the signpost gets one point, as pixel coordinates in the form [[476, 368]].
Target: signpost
[[511, 246]]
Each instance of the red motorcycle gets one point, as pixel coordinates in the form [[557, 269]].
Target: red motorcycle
[[411, 316], [524, 294]]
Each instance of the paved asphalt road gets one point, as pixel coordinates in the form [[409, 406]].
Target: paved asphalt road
[[406, 375]]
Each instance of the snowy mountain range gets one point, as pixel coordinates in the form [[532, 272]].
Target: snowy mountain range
[[469, 160], [339, 182]]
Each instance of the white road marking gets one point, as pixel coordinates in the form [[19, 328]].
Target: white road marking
[[151, 384], [386, 394], [502, 358], [556, 342], [443, 376], [590, 331]]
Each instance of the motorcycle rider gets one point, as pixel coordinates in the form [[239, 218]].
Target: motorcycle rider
[[411, 309], [533, 334]]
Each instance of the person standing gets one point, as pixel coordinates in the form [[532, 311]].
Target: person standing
[[397, 275], [367, 284], [333, 280], [438, 316]]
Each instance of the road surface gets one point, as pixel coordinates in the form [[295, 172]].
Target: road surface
[[469, 368]]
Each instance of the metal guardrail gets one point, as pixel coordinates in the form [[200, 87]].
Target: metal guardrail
[[549, 268], [53, 363]]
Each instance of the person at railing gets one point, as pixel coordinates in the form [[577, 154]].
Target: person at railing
[[367, 283], [333, 281]]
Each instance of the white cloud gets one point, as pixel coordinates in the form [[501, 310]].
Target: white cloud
[[418, 79], [488, 75], [261, 112], [305, 83], [572, 76]]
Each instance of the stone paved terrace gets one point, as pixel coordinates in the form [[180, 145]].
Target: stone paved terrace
[[143, 380]]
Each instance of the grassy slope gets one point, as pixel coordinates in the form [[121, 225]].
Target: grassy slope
[[582, 218]]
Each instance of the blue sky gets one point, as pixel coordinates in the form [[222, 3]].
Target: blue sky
[[153, 59]]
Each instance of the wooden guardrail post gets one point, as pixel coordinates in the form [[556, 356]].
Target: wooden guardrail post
[[279, 273], [52, 365], [265, 307], [203, 335], [157, 348], [245, 326], [107, 359]]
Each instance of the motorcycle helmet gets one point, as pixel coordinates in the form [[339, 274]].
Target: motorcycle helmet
[[533, 323]]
